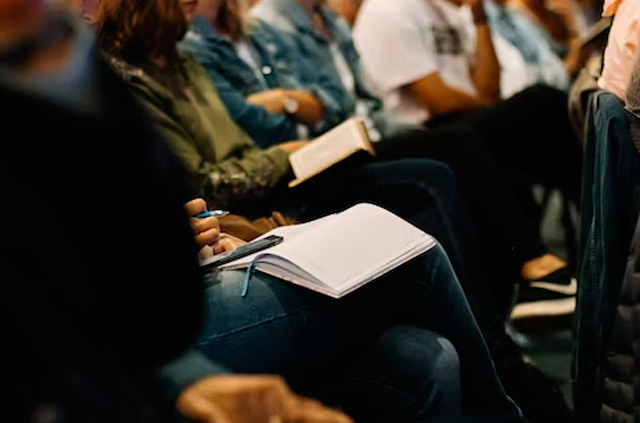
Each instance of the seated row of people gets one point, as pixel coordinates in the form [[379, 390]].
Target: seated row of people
[[129, 296], [252, 86], [227, 166]]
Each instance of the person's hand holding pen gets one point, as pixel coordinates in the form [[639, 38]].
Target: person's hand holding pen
[[206, 229], [205, 224]]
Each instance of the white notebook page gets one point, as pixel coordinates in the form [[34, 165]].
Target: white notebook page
[[363, 240]]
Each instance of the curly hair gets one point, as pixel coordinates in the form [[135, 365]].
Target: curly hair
[[135, 30]]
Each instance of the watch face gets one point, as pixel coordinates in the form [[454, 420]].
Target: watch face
[[291, 106]]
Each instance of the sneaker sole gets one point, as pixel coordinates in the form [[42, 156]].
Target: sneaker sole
[[544, 308], [571, 289]]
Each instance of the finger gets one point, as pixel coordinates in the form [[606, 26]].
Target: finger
[[195, 207], [218, 249], [225, 244], [209, 237], [205, 224], [200, 409]]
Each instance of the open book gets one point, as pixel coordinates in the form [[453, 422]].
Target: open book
[[323, 152], [338, 254]]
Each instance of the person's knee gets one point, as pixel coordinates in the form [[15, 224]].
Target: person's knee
[[433, 363]]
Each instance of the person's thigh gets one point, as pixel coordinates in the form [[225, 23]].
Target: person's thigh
[[281, 328], [278, 327]]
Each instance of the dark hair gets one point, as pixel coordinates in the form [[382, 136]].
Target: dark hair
[[135, 30], [231, 18]]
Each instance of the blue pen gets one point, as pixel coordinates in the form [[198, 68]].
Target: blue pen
[[214, 213]]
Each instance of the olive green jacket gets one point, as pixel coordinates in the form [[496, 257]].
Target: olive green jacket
[[228, 168]]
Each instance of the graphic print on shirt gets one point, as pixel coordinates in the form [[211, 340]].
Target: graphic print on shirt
[[447, 41]]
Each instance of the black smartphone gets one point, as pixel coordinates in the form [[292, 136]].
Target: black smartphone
[[240, 252]]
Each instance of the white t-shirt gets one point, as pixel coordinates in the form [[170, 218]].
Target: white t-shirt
[[624, 39], [402, 41]]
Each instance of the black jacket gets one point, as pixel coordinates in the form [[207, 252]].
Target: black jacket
[[98, 264]]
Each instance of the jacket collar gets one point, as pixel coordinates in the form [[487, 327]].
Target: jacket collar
[[206, 32]]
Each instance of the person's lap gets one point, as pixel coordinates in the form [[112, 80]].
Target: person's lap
[[281, 328]]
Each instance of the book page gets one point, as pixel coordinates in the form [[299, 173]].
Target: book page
[[356, 243], [330, 148]]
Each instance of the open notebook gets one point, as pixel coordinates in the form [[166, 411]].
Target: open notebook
[[338, 254], [325, 151]]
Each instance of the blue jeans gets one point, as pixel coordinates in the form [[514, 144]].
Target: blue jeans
[[385, 353], [425, 193]]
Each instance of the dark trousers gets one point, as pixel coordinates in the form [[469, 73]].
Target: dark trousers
[[508, 239], [497, 153], [386, 353], [530, 136], [424, 192]]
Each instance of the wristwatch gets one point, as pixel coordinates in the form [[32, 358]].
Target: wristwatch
[[291, 105]]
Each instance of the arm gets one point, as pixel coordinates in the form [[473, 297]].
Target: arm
[[300, 74], [486, 71], [263, 125], [310, 109], [441, 99], [406, 56], [250, 175]]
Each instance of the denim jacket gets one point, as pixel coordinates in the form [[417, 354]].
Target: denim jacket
[[610, 207], [289, 17], [235, 80]]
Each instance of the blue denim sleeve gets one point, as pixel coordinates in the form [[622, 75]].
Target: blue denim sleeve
[[265, 128], [323, 88], [302, 74], [185, 370]]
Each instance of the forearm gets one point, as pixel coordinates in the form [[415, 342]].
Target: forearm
[[441, 99], [458, 101], [486, 72], [310, 108]]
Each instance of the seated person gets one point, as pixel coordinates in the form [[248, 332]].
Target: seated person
[[428, 69], [525, 57], [333, 331], [622, 47], [267, 98], [122, 309]]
